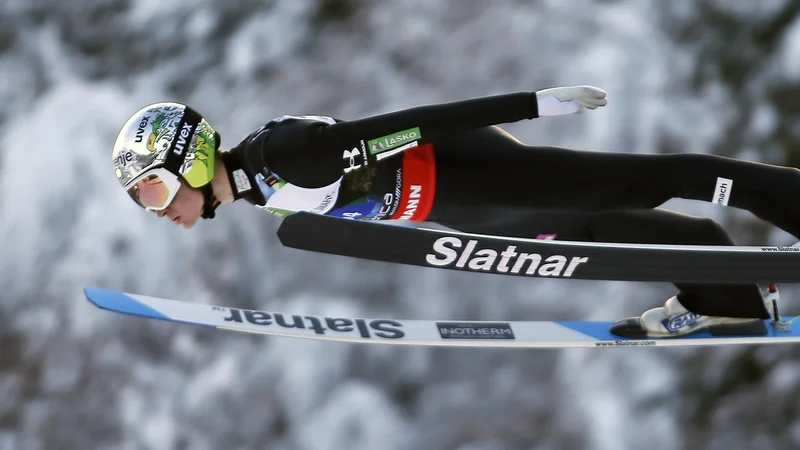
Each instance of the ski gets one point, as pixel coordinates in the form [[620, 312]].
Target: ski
[[513, 256], [442, 333]]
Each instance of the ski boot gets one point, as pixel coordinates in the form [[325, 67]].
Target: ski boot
[[673, 320]]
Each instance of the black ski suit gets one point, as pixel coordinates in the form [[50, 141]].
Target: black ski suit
[[475, 177]]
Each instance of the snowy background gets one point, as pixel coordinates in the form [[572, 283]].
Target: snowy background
[[682, 76]]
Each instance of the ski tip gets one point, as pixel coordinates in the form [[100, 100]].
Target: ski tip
[[120, 302]]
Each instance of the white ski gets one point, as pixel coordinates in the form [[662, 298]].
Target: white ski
[[464, 333]]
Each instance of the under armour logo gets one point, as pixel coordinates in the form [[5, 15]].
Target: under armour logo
[[350, 156]]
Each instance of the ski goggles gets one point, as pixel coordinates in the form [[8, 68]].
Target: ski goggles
[[155, 189]]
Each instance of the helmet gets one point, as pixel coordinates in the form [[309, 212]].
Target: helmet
[[160, 145]]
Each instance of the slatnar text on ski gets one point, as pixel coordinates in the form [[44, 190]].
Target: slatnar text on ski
[[451, 250]]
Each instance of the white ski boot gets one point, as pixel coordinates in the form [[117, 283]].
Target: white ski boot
[[673, 320]]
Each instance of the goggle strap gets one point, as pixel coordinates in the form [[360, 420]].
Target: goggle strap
[[176, 153]]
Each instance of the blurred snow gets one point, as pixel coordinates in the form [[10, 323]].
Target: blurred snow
[[72, 376]]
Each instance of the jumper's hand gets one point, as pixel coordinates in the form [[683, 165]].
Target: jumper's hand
[[569, 100]]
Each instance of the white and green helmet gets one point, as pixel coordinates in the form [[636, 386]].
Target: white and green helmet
[[166, 136]]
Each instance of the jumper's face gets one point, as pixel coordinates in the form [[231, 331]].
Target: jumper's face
[[185, 209]]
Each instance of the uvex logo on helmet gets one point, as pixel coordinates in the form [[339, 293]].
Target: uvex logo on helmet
[[140, 128], [183, 138]]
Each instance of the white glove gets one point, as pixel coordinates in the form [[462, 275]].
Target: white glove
[[569, 100]]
